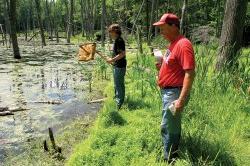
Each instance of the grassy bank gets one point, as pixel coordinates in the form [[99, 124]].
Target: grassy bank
[[215, 122]]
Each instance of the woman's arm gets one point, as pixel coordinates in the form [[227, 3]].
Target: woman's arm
[[117, 57]]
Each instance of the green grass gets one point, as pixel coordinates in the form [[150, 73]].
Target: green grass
[[215, 122]]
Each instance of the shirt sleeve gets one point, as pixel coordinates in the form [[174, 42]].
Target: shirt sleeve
[[187, 59]]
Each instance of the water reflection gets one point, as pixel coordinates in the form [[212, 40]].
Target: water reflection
[[50, 74]]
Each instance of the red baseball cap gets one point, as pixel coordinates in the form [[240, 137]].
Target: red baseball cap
[[168, 18]]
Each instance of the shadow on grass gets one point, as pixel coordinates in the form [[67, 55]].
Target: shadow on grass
[[135, 103], [202, 152], [111, 118], [246, 109]]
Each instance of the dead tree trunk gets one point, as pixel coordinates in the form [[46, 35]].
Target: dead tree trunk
[[232, 32], [70, 18], [183, 16], [82, 17], [156, 15], [2, 34], [38, 8], [49, 19], [139, 39], [103, 21], [55, 21], [12, 16], [151, 21], [7, 21], [218, 17], [147, 18]]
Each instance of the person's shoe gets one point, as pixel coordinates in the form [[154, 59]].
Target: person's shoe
[[172, 159], [119, 107]]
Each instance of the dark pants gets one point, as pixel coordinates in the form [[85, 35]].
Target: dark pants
[[119, 85]]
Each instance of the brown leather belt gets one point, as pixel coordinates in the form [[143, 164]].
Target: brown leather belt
[[172, 87]]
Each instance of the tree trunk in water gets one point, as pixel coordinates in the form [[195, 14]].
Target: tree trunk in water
[[87, 17], [183, 16], [232, 32], [38, 8], [82, 17], [66, 17], [12, 16], [49, 20], [56, 21], [103, 21], [69, 30], [93, 16], [7, 22]]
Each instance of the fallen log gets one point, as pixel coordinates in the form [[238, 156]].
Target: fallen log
[[3, 109], [47, 102], [18, 109], [97, 101], [63, 44], [5, 113]]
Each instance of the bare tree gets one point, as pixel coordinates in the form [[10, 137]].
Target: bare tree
[[12, 16], [7, 21], [49, 19], [38, 9], [183, 16], [70, 21], [147, 18], [82, 17], [152, 18], [156, 14], [103, 21], [232, 32]]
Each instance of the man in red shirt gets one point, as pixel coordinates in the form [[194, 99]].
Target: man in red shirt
[[176, 75]]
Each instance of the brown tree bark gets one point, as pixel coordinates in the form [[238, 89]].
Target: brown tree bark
[[232, 32], [38, 9], [156, 15], [183, 16], [82, 17], [69, 29], [103, 21], [147, 18], [152, 18], [12, 16], [7, 22], [49, 19]]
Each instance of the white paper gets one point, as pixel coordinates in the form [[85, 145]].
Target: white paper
[[158, 54], [172, 109]]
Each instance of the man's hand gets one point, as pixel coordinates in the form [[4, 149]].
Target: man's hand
[[179, 105], [110, 60]]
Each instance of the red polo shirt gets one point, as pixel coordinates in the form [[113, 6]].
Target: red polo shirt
[[178, 58]]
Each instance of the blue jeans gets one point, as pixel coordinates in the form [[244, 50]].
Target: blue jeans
[[119, 85], [170, 125]]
